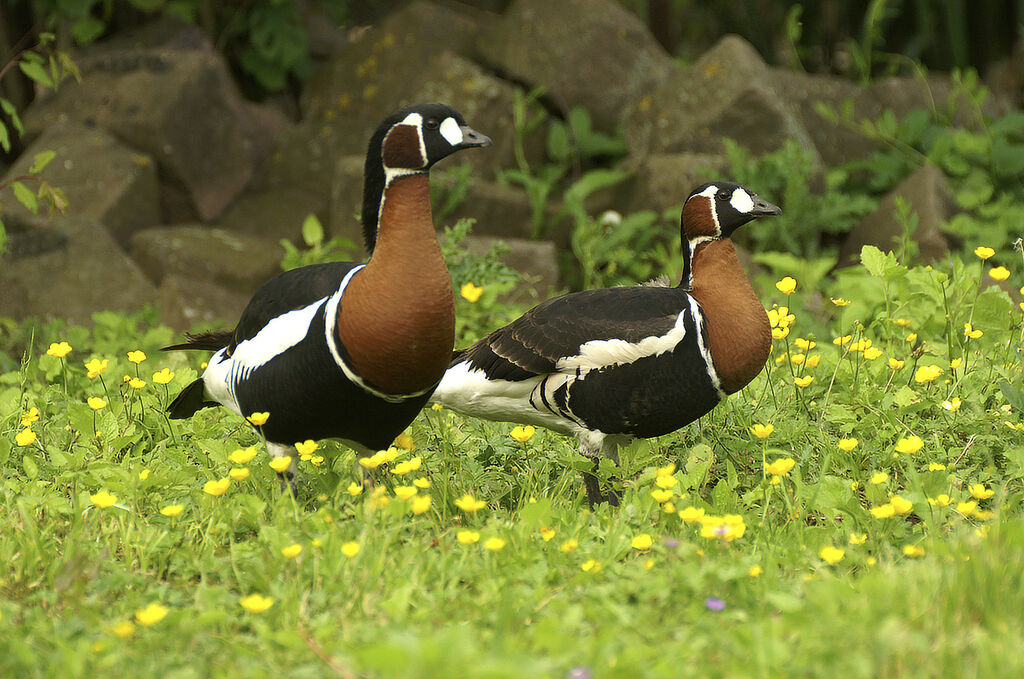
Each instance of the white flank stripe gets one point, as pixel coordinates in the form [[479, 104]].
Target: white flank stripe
[[330, 326], [698, 318], [451, 131], [597, 354], [275, 338]]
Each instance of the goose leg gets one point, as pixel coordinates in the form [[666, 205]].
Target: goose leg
[[594, 446], [288, 476]]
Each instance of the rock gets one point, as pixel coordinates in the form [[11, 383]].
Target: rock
[[88, 273], [346, 203], [487, 103], [102, 179], [589, 53], [177, 105], [345, 99], [537, 261], [728, 92], [187, 303], [664, 180], [928, 194], [236, 261], [274, 214]]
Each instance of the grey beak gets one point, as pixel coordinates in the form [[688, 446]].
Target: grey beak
[[471, 138], [763, 208]]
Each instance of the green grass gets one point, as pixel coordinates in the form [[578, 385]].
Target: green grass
[[568, 588]]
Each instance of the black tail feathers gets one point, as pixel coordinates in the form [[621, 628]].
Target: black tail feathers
[[189, 401], [212, 340]]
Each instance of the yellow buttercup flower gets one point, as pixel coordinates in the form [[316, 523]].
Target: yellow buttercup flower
[[354, 489], [661, 495], [691, 514], [786, 286], [909, 445], [259, 419], [797, 359], [667, 470], [151, 614], [467, 537], [780, 333], [762, 431], [878, 478], [804, 344], [136, 383], [840, 302], [280, 464], [163, 376], [1000, 273], [983, 252], [96, 367], [912, 337], [754, 571], [979, 491], [927, 373], [350, 549], [642, 541], [144, 474], [780, 467], [858, 538], [471, 293], [123, 630], [494, 544], [405, 441], [885, 511], [942, 500], [292, 550], [523, 434], [952, 405], [256, 603], [847, 445], [970, 332], [804, 381], [468, 503], [103, 499], [913, 551], [547, 533], [422, 484], [967, 508], [239, 473], [406, 466], [136, 356], [955, 363], [172, 510], [896, 364], [30, 416], [831, 555], [25, 437], [217, 488], [59, 349], [590, 566], [728, 527], [568, 546], [901, 506], [405, 492], [936, 467], [666, 482], [812, 361], [96, 403], [243, 455], [841, 341], [872, 353], [306, 448], [420, 504]]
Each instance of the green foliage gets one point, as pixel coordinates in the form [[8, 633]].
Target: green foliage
[[317, 249], [923, 591], [811, 222]]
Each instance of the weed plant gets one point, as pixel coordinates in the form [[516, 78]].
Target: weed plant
[[855, 512]]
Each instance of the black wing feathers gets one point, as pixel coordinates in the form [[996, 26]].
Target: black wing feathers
[[532, 344]]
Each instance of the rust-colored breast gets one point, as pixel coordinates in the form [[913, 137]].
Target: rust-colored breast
[[739, 336], [397, 316]]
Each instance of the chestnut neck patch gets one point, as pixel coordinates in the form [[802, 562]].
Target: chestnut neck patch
[[699, 218]]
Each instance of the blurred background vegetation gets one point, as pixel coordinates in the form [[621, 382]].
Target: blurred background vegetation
[[267, 42]]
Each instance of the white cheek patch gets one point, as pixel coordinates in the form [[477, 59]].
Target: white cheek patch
[[741, 201], [451, 131]]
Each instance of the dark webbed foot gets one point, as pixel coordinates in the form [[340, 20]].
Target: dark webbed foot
[[595, 448]]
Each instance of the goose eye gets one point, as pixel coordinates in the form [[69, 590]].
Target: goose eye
[[724, 195], [432, 123]]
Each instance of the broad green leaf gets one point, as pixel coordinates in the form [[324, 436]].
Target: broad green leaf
[[26, 197], [40, 161], [312, 231], [5, 138], [30, 466], [1013, 395], [36, 72]]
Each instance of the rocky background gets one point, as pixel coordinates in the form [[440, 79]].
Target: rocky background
[[180, 189]]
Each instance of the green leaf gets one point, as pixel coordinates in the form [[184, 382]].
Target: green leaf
[[312, 231], [905, 396], [26, 197], [40, 161], [87, 30], [36, 72], [880, 264], [1013, 395], [31, 468], [5, 138]]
